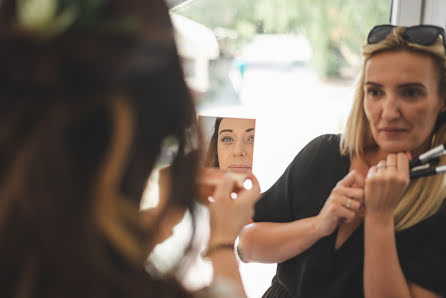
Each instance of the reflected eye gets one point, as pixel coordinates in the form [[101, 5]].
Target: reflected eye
[[251, 139], [226, 139]]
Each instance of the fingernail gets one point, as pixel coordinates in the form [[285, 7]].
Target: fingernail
[[247, 184]]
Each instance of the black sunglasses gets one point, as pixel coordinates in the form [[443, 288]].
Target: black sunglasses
[[421, 34]]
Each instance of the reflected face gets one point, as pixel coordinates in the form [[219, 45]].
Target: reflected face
[[235, 143], [401, 100]]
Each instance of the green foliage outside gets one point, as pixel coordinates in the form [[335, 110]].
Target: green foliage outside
[[335, 28]]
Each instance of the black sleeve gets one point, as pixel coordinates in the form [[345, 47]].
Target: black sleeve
[[290, 198], [423, 254]]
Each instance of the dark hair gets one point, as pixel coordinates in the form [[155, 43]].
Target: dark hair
[[83, 114], [211, 159]]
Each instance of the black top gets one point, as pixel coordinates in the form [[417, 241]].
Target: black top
[[322, 271]]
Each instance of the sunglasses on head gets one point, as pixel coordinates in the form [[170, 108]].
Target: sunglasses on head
[[421, 34]]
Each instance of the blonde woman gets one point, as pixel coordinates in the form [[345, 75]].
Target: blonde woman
[[345, 220]]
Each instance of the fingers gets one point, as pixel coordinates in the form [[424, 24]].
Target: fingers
[[385, 185], [381, 166], [343, 193], [391, 163], [352, 204], [395, 165], [352, 178], [342, 207], [347, 195], [231, 186], [346, 214], [251, 183], [347, 202], [225, 187], [403, 162], [353, 193], [229, 199]]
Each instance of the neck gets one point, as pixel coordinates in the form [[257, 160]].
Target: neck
[[373, 156]]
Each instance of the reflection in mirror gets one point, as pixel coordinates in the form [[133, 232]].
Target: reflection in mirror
[[229, 142], [262, 66]]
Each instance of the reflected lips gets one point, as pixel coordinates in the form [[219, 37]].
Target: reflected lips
[[240, 167]]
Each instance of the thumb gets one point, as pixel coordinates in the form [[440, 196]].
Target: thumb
[[352, 179]]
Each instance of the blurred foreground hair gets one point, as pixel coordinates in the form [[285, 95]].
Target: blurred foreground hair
[[84, 110]]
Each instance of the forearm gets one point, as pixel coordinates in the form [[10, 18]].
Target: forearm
[[383, 276], [225, 267], [269, 242]]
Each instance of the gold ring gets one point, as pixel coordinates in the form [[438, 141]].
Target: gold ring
[[381, 166], [349, 203]]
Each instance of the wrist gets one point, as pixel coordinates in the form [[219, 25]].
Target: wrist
[[317, 228], [217, 248], [382, 220], [221, 237]]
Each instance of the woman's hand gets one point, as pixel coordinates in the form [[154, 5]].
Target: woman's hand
[[385, 185], [344, 202], [232, 207]]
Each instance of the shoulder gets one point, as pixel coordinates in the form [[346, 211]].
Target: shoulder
[[326, 141], [319, 163], [320, 151], [321, 145], [304, 185]]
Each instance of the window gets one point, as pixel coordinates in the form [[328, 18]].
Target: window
[[291, 63]]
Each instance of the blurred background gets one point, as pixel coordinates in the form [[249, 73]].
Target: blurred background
[[290, 63]]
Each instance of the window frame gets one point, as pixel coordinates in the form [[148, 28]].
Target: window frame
[[414, 12]]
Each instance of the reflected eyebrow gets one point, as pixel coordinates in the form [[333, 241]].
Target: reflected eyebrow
[[250, 129], [225, 130]]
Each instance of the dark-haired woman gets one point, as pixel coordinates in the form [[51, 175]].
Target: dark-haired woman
[[232, 144], [89, 92]]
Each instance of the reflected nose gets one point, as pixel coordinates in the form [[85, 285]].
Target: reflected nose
[[390, 108], [239, 149]]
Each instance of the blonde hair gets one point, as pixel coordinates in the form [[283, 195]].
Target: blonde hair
[[424, 196]]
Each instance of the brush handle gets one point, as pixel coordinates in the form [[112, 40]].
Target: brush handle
[[427, 172], [422, 173]]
